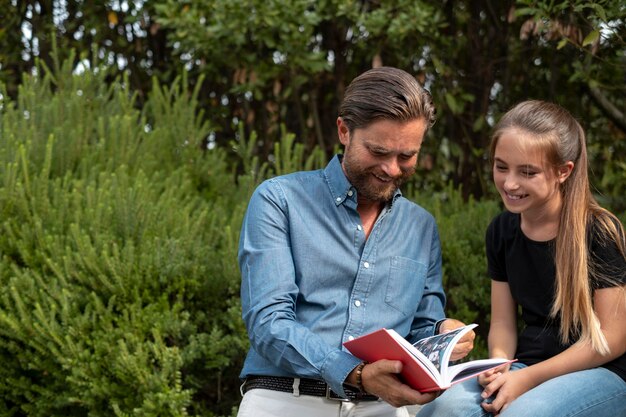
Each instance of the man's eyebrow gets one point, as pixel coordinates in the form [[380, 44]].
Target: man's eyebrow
[[376, 148], [381, 150]]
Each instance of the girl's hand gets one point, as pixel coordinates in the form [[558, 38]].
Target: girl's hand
[[488, 377], [507, 387]]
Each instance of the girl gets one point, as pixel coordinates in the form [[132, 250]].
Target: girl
[[559, 256]]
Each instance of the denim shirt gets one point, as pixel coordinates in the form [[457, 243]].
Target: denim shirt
[[311, 280]]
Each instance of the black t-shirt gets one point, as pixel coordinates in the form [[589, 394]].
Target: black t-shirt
[[528, 267]]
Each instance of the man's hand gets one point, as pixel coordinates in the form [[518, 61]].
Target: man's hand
[[465, 345], [380, 378]]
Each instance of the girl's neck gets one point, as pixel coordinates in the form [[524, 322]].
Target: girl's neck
[[542, 224], [541, 231]]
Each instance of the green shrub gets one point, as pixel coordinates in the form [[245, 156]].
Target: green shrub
[[118, 285]]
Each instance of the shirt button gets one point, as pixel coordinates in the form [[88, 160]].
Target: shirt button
[[338, 199], [357, 303], [366, 264], [350, 337], [350, 193], [359, 227]]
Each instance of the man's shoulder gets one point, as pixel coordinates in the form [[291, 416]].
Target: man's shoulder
[[291, 181], [296, 178], [412, 207], [408, 209]]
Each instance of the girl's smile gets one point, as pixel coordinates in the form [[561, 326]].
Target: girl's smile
[[515, 197]]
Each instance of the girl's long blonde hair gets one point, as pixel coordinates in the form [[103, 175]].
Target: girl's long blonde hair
[[562, 139]]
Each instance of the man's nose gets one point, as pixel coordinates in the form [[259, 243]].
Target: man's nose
[[391, 168]]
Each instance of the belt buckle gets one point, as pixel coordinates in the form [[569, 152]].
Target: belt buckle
[[331, 395]]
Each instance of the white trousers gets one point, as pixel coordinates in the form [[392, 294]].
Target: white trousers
[[268, 403]]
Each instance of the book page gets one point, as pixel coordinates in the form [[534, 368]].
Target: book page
[[466, 370], [438, 348]]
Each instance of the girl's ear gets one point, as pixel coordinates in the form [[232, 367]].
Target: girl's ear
[[564, 171]]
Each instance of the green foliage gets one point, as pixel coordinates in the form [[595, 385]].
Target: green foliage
[[272, 66], [118, 286], [613, 186], [124, 33], [289, 157]]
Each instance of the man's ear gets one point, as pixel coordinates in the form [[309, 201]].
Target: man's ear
[[564, 171], [343, 132]]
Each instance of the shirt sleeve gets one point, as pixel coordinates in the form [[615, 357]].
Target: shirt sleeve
[[607, 262], [269, 292], [496, 268]]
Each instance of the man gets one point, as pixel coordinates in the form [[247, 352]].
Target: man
[[333, 254]]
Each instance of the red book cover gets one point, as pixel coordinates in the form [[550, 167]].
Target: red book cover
[[382, 345], [422, 373]]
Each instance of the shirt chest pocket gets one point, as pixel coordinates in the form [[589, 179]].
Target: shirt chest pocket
[[405, 285]]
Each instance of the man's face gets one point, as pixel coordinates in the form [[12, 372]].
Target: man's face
[[380, 157]]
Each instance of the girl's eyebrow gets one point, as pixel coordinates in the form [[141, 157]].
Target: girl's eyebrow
[[524, 166], [531, 167]]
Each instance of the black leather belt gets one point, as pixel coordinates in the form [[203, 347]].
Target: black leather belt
[[307, 386]]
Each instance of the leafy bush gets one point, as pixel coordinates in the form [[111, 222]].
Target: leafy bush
[[118, 285]]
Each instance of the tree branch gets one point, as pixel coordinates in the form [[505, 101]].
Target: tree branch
[[608, 108]]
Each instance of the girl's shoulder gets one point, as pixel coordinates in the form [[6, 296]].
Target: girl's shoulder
[[504, 224], [503, 231], [604, 228], [605, 236]]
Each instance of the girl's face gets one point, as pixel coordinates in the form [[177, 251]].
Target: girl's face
[[523, 177]]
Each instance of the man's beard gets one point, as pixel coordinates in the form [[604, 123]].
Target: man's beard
[[368, 186]]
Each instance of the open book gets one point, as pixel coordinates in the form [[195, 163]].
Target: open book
[[426, 364]]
